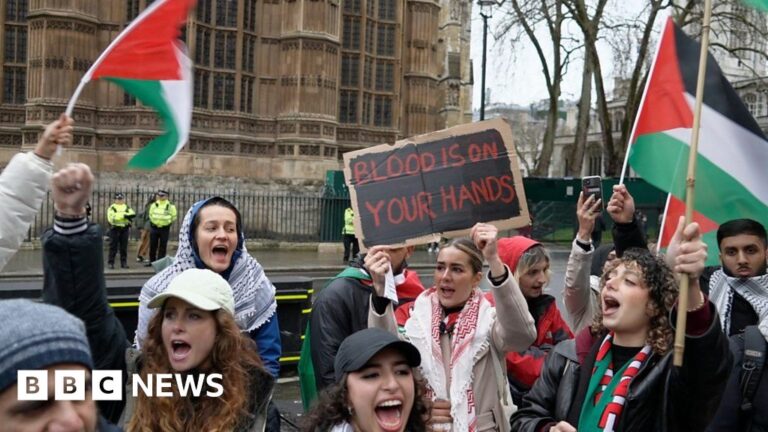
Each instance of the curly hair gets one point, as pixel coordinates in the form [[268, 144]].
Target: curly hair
[[234, 356], [659, 279], [332, 408]]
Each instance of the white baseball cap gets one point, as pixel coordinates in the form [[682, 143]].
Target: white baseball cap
[[201, 288]]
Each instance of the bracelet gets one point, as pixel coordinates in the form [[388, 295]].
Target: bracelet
[[702, 301]]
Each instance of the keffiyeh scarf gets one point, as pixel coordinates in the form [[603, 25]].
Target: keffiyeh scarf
[[254, 293], [470, 336], [754, 290]]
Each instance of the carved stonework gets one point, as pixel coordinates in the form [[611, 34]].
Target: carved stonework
[[309, 150], [10, 140]]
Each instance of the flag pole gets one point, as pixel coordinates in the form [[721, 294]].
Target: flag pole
[[682, 303]]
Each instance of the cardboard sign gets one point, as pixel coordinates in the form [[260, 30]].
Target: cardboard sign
[[439, 183]]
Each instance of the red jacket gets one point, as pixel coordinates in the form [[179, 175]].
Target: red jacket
[[524, 367]]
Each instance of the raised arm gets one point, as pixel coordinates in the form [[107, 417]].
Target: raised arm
[[514, 328], [577, 294], [74, 273], [23, 186], [626, 230]]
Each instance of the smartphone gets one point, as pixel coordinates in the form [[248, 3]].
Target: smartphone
[[592, 185]]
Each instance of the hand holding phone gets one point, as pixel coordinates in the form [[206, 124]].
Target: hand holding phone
[[592, 186]]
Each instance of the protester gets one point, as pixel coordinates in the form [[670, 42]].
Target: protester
[[618, 375], [581, 291], [745, 400], [74, 279], [461, 337], [144, 226], [37, 336], [119, 217], [162, 213], [211, 237], [24, 183], [739, 288], [375, 388], [529, 263], [341, 308], [351, 246]]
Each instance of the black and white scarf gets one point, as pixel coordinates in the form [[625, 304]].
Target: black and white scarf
[[753, 289]]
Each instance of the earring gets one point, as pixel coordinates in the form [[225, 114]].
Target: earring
[[350, 411]]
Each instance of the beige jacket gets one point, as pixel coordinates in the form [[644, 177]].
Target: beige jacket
[[581, 300], [513, 329]]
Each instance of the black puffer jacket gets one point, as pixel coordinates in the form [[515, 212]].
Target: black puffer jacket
[[340, 309], [661, 397]]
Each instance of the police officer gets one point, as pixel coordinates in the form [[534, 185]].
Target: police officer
[[348, 235], [162, 213], [119, 216]]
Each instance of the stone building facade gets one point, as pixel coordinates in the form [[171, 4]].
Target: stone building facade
[[281, 87]]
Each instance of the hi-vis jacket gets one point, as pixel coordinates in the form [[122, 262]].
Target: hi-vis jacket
[[119, 215], [162, 213]]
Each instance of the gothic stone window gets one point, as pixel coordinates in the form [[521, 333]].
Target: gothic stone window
[[351, 33], [226, 13], [350, 70], [16, 10], [348, 106], [14, 85], [15, 44], [386, 40], [382, 111], [750, 100]]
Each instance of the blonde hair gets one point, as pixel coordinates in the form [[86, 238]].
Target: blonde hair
[[533, 256]]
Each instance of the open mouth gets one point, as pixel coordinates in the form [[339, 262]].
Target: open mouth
[[180, 349], [220, 251], [447, 291], [610, 305], [389, 415]]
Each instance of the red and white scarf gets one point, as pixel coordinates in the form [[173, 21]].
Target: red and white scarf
[[610, 416], [470, 335]]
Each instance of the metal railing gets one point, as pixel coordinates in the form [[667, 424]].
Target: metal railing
[[308, 217], [296, 217]]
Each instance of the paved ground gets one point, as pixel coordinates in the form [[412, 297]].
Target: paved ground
[[27, 264]]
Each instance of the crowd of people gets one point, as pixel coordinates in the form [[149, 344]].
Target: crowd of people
[[384, 352]]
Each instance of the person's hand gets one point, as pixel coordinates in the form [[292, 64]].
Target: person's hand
[[58, 133], [691, 251], [562, 427], [71, 188], [484, 236], [440, 412], [621, 206], [586, 212], [377, 262]]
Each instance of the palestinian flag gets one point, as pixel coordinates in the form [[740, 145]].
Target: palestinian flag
[[149, 61], [758, 4], [733, 151]]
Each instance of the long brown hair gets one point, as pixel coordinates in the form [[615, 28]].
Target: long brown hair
[[660, 281], [234, 356], [332, 408]]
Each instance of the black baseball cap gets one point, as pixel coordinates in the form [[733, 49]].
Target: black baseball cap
[[358, 349], [162, 192], [119, 195]]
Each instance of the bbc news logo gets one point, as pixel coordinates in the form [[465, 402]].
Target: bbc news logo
[[107, 385]]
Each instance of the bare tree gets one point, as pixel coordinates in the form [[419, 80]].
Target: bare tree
[[522, 19]]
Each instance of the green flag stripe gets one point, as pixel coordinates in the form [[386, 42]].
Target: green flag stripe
[[151, 94], [758, 4], [663, 161]]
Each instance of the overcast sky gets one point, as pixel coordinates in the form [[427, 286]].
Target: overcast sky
[[515, 76]]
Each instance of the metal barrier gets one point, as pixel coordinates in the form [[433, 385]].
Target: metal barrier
[[274, 216], [319, 217]]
